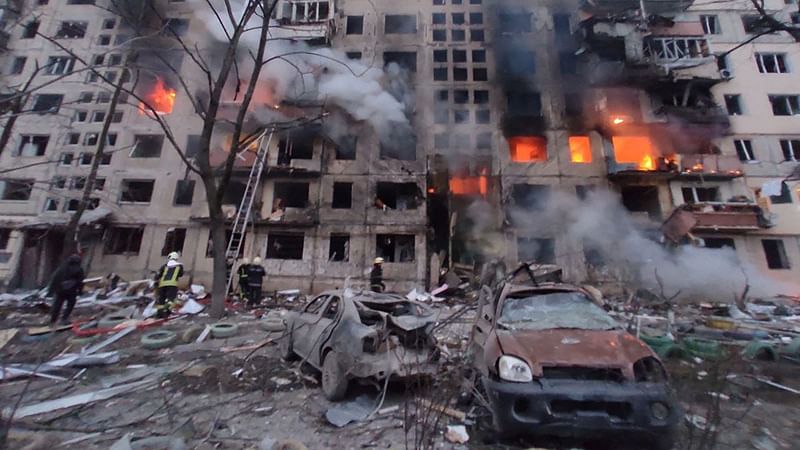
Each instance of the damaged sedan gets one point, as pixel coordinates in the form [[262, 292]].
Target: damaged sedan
[[554, 364], [366, 335]]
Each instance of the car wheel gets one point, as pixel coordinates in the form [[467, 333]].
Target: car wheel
[[334, 381], [286, 348]]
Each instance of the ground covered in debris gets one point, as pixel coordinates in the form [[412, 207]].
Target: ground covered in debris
[[236, 392]]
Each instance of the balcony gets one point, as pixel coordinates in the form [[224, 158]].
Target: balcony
[[710, 166], [651, 6], [714, 115], [727, 217], [292, 217]]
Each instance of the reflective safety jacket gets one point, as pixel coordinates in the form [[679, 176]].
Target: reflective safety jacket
[[169, 273]]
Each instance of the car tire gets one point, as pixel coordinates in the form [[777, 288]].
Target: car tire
[[111, 320], [222, 330], [334, 380], [158, 339], [286, 347]]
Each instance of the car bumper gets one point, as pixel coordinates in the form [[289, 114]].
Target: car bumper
[[399, 362], [581, 409]]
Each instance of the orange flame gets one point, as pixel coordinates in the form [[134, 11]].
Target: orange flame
[[161, 98], [528, 148], [637, 150], [580, 149], [470, 185]]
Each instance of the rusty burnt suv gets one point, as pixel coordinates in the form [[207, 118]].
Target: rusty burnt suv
[[554, 364], [350, 335]]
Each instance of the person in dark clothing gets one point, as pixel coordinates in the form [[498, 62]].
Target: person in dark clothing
[[167, 278], [376, 276], [242, 273], [65, 285], [255, 280]]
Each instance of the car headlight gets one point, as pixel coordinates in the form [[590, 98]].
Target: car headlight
[[514, 369]]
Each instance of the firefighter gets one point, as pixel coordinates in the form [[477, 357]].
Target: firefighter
[[255, 280], [65, 286], [376, 276], [242, 273], [167, 278]]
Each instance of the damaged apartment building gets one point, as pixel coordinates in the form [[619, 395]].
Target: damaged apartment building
[[514, 101]]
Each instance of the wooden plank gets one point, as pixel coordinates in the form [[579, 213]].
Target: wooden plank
[[7, 335], [35, 331]]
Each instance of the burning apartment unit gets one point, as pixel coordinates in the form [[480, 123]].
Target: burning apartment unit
[[509, 106]]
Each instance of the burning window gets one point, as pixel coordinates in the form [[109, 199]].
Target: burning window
[[160, 98], [16, 189], [285, 246], [637, 150], [147, 146], [395, 247], [541, 251], [342, 196], [173, 241], [580, 149], [528, 148], [290, 195], [402, 196], [123, 240], [31, 145], [136, 191], [339, 249], [470, 185]]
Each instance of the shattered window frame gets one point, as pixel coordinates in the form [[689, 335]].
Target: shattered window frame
[[142, 191], [123, 240], [72, 29], [16, 189], [174, 240], [396, 248], [336, 243], [290, 242]]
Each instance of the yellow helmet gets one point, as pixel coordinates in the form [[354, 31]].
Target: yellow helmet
[[379, 260]]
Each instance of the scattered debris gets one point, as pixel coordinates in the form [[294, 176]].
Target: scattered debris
[[340, 414], [457, 434]]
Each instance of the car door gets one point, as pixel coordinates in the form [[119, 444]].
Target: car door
[[303, 325], [323, 328], [483, 322]]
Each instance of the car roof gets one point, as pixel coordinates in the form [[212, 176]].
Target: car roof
[[542, 287]]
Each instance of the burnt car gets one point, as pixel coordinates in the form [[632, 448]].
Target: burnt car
[[554, 364], [361, 335]]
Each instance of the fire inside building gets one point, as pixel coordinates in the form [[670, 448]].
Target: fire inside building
[[672, 106]]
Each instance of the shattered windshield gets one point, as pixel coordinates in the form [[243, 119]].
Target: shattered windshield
[[554, 310]]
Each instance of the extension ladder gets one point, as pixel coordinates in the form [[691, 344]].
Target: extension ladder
[[244, 212]]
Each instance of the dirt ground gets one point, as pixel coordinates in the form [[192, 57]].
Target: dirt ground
[[211, 397]]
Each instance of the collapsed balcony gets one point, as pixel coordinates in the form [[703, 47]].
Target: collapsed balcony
[[311, 21], [727, 217]]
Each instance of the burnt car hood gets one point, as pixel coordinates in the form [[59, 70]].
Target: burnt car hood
[[570, 347]]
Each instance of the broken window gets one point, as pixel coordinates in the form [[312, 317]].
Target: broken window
[[540, 251], [580, 149], [342, 195], [16, 189], [345, 147], [400, 196], [123, 240], [532, 197], [676, 48], [184, 193], [147, 146], [642, 199], [775, 254], [753, 23], [32, 145], [744, 148], [228, 234], [59, 182], [784, 105], [18, 65], [733, 104], [47, 103], [395, 247], [173, 241], [718, 243], [355, 25], [71, 29], [406, 60], [30, 30], [524, 103], [290, 195], [299, 145], [514, 22], [700, 194], [136, 191], [285, 245], [398, 150], [305, 11], [339, 248], [59, 65], [784, 197], [527, 148], [51, 204], [771, 63], [791, 149], [710, 24], [400, 24]]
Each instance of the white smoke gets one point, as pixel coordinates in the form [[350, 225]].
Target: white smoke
[[602, 223], [296, 71]]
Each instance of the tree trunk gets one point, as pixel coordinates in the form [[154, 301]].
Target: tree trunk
[[219, 245], [71, 241]]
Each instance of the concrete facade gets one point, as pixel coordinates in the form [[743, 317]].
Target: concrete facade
[[495, 85]]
